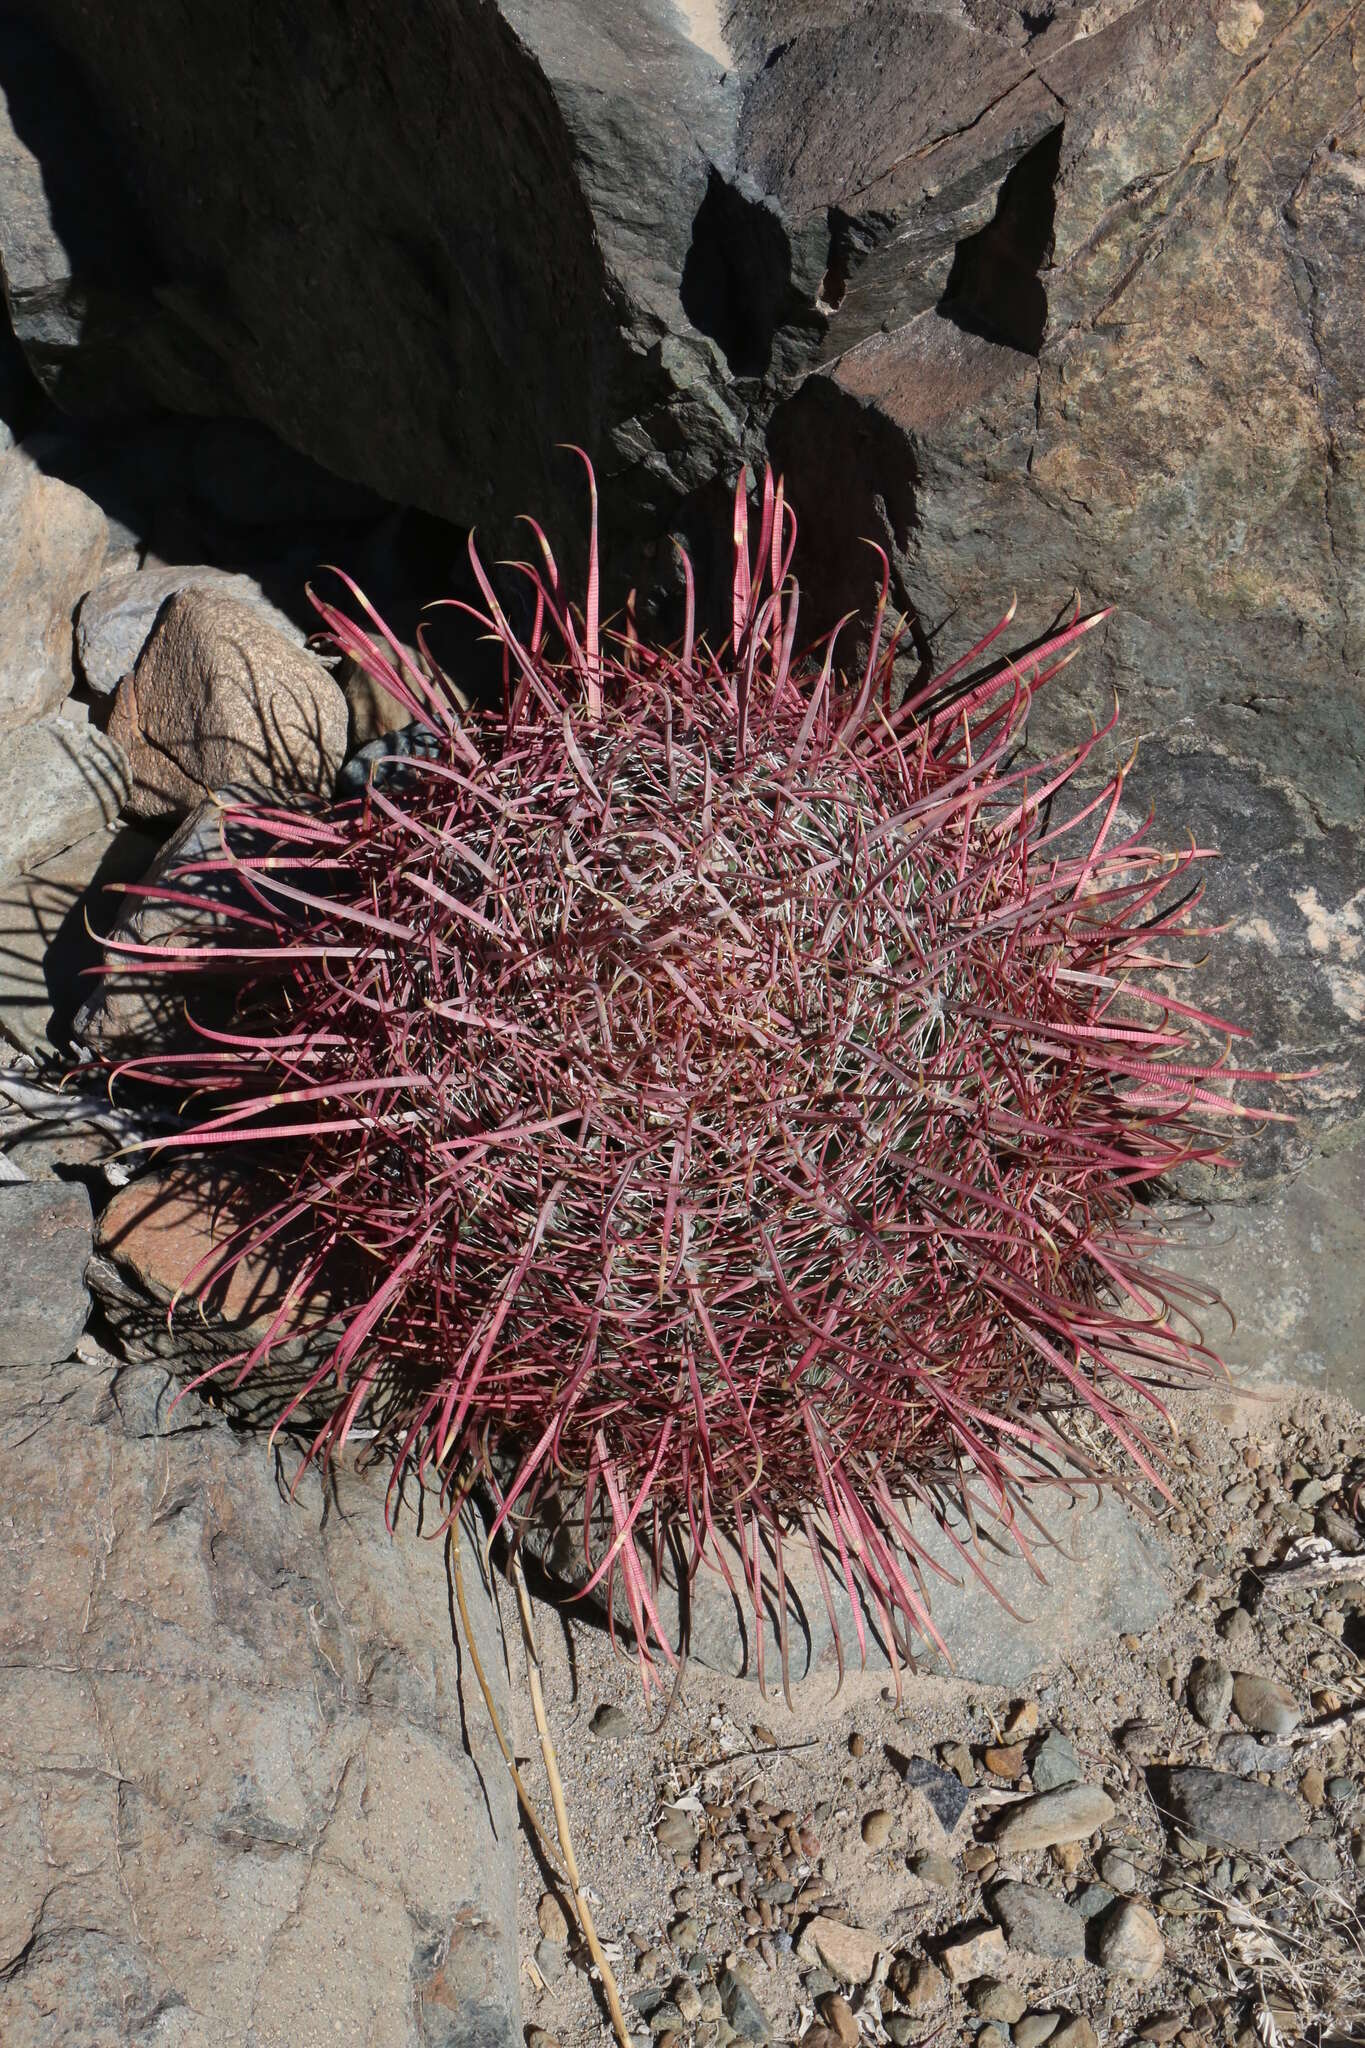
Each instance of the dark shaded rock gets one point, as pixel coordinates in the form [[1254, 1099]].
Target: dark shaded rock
[[1054, 1763], [944, 1790], [45, 1228], [1227, 1812], [1036, 1922], [82, 280], [742, 2009]]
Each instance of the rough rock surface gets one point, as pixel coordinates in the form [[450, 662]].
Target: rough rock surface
[[45, 1234], [46, 947], [220, 696], [1106, 1576], [117, 616], [52, 542], [236, 1746], [128, 1007], [59, 782], [1228, 1812]]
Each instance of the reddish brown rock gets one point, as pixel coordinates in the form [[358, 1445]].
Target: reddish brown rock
[[219, 696]]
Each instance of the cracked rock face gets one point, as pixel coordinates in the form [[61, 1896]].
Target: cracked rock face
[[233, 1756]]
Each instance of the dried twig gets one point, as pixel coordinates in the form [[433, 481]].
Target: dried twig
[[547, 1750]]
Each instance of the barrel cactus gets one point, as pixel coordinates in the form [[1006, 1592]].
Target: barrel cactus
[[708, 1084]]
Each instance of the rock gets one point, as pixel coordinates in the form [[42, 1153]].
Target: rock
[[742, 2009], [1068, 1815], [52, 542], [1004, 1760], [676, 1831], [610, 1723], [1209, 1690], [1035, 2028], [1054, 1763], [1162, 2027], [151, 1239], [1128, 1942], [247, 1706], [1036, 1922], [931, 1868], [973, 1951], [876, 1828], [944, 1790], [48, 951], [550, 1919], [550, 1960], [1092, 1900], [250, 477], [219, 697], [116, 617], [919, 1986], [59, 783], [839, 2015], [1227, 1811], [80, 277], [1265, 1704], [1116, 1579], [45, 1228], [1119, 1871], [992, 1999], [1245, 1755], [849, 1952], [1315, 1857], [380, 761], [1237, 1628], [130, 1007], [1075, 2032]]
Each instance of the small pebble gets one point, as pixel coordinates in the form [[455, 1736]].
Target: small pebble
[[932, 1868], [687, 1998], [610, 1724], [1161, 2027], [1005, 1761], [876, 1828], [1236, 1628], [1128, 1942], [1265, 1704], [1075, 2032], [1054, 1763], [550, 1960], [550, 1919], [837, 2013], [1118, 1871], [1022, 1720], [1209, 1691], [856, 1745], [992, 2037], [1035, 2028], [993, 1999], [918, 1985]]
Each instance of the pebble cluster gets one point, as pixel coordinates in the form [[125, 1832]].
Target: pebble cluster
[[1061, 1871]]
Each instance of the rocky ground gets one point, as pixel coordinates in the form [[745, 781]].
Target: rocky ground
[[1161, 1839]]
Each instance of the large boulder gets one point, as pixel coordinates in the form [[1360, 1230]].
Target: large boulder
[[220, 696], [246, 1790], [116, 618]]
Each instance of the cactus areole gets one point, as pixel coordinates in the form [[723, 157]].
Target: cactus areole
[[730, 1097]]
